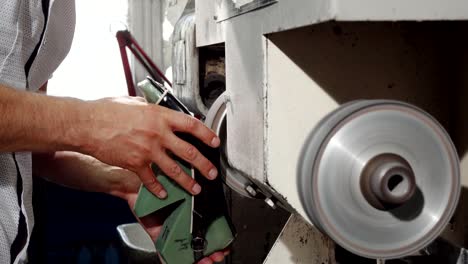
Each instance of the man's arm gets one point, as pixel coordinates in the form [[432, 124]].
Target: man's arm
[[34, 122], [85, 173], [124, 132]]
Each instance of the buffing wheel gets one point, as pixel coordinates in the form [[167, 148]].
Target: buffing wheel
[[216, 120], [381, 178]]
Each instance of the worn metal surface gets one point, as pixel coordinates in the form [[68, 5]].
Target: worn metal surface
[[233, 8], [185, 65], [209, 31], [300, 243]]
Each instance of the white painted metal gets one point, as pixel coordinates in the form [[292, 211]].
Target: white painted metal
[[208, 31], [286, 119], [289, 14]]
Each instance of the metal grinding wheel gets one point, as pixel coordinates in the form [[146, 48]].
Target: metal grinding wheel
[[381, 178], [216, 120]]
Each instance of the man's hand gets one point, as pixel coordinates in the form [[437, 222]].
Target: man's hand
[[126, 132], [152, 223], [86, 173], [130, 133]]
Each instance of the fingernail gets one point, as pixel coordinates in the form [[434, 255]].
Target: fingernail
[[213, 173], [196, 189], [162, 194], [215, 142]]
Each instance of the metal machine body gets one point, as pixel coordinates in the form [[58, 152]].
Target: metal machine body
[[287, 68], [266, 79], [291, 64]]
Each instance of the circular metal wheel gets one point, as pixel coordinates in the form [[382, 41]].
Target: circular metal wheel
[[381, 178], [216, 120]]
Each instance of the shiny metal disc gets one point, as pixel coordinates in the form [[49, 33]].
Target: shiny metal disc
[[381, 178], [216, 120]]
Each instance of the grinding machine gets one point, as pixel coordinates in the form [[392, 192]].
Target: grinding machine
[[346, 115], [381, 178]]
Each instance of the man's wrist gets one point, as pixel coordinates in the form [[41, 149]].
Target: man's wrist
[[79, 126]]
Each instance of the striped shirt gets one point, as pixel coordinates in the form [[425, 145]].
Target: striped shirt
[[35, 36]]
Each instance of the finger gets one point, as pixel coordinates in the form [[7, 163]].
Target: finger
[[191, 154], [175, 172], [151, 183], [217, 257], [185, 123], [205, 261]]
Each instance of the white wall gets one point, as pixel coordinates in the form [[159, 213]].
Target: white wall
[[93, 68]]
